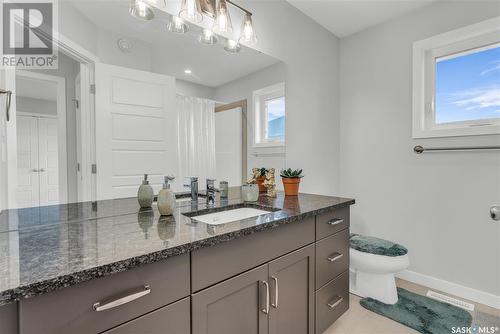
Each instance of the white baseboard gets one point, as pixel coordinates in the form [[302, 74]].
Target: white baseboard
[[451, 288]]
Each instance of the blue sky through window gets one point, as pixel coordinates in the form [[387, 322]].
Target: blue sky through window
[[275, 109], [468, 87]]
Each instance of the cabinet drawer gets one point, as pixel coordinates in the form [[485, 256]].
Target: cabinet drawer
[[331, 222], [174, 318], [332, 257], [216, 263], [332, 301], [71, 310]]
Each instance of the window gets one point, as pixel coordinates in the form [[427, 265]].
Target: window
[[456, 82], [269, 116]]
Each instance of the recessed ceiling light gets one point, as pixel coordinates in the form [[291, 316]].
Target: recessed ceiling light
[[188, 71]]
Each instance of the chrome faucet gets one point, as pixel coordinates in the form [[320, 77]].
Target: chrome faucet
[[211, 191], [194, 188]]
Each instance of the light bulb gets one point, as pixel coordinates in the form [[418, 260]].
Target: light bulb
[[222, 21], [208, 37], [141, 10], [248, 32], [232, 46], [191, 10], [177, 25]]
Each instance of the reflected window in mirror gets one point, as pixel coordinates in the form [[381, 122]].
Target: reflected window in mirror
[[269, 116]]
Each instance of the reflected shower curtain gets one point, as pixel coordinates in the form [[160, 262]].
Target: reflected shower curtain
[[196, 140]]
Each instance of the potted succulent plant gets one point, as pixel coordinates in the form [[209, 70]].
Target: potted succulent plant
[[261, 178], [291, 181]]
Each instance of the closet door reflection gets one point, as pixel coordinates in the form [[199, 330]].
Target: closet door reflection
[[37, 161]]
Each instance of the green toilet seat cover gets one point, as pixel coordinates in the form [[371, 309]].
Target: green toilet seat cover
[[377, 246]]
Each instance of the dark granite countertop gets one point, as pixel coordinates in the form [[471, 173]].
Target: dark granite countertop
[[48, 248]]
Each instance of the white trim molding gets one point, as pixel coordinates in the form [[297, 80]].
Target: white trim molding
[[425, 53], [451, 288]]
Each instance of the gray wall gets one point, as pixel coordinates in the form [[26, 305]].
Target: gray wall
[[69, 69], [243, 88], [435, 204], [311, 54]]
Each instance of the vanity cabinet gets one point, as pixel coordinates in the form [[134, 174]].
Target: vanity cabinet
[[274, 298], [292, 279]]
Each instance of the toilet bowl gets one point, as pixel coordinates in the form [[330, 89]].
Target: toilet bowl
[[373, 263]]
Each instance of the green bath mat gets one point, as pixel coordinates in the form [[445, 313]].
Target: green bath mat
[[421, 313]]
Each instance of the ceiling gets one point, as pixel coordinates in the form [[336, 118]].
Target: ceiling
[[173, 53], [36, 89], [346, 17]]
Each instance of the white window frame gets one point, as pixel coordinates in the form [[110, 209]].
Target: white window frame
[[470, 39], [259, 98]]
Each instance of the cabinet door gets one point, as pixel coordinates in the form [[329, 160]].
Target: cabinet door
[[291, 280], [237, 305], [173, 319]]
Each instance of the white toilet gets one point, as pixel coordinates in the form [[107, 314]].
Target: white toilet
[[373, 263]]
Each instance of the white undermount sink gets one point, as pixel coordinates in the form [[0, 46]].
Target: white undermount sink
[[228, 216]]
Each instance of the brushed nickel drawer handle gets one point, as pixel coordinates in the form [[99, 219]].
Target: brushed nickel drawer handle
[[334, 257], [123, 300], [265, 310], [335, 221], [335, 302], [275, 304]]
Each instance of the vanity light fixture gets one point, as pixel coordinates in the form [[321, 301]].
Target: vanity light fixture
[[232, 46], [191, 11], [177, 25], [222, 21], [208, 37], [188, 71], [141, 9], [247, 30]]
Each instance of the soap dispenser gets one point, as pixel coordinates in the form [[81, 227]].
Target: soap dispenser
[[145, 193], [166, 198]]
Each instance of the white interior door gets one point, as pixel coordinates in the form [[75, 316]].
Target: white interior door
[[135, 129], [28, 194], [48, 158], [228, 146]]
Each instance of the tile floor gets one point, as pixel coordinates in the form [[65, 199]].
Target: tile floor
[[358, 320]]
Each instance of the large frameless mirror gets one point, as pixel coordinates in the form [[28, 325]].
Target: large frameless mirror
[[136, 96]]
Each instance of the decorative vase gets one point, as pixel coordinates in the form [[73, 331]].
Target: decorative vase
[[250, 192], [291, 186], [260, 182]]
